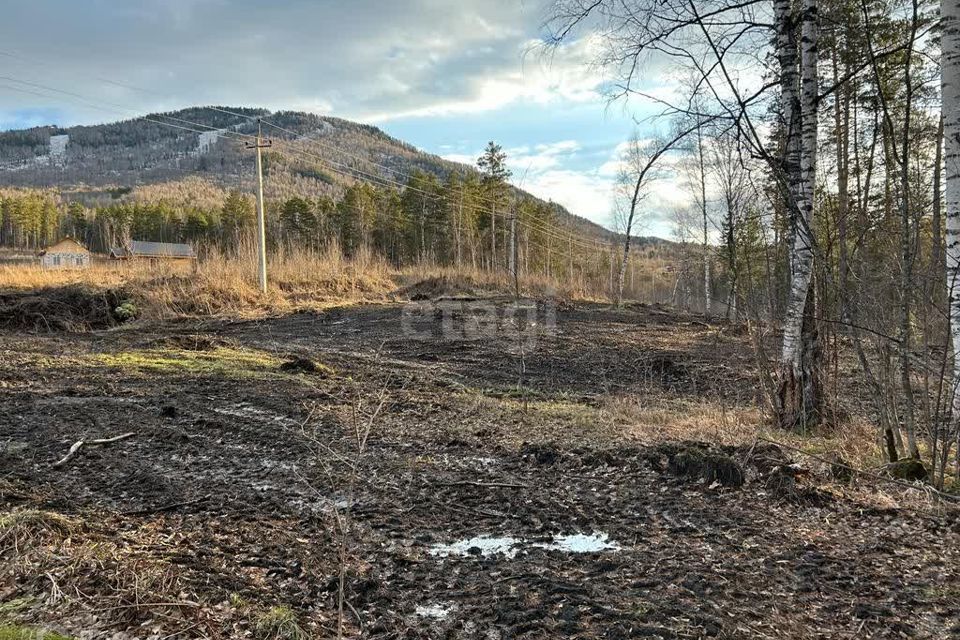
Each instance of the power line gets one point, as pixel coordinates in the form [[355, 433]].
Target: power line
[[360, 158], [582, 241], [221, 133], [344, 169]]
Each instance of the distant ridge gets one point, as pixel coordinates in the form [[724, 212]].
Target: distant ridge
[[206, 142]]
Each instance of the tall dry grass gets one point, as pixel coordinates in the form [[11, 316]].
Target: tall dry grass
[[297, 278], [662, 418], [224, 282], [468, 279]]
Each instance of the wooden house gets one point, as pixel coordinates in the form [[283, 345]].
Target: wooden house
[[66, 254], [154, 251]]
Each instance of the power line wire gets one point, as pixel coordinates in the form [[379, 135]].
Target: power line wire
[[344, 169]]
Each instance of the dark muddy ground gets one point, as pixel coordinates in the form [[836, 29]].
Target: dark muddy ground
[[224, 502]]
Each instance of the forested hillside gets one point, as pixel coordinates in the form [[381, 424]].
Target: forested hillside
[[188, 175], [197, 154], [206, 141]]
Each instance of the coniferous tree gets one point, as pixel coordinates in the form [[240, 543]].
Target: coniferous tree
[[493, 165]]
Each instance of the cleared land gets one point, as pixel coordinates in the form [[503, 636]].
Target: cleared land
[[569, 506]]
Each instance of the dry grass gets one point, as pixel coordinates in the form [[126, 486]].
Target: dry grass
[[654, 419], [664, 419], [71, 564], [23, 527], [123, 580], [658, 419], [225, 284]]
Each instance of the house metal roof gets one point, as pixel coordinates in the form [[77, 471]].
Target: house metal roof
[[141, 249]]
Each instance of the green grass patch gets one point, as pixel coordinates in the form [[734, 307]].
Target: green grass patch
[[513, 392], [27, 633], [13, 607], [220, 361], [279, 623], [561, 406]]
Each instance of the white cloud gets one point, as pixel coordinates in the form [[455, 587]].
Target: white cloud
[[527, 161], [582, 193], [367, 59], [527, 75], [540, 158]]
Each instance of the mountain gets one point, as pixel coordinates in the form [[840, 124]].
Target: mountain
[[312, 155]]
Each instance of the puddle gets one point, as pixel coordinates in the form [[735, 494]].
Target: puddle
[[580, 543], [435, 611], [509, 546], [480, 545]]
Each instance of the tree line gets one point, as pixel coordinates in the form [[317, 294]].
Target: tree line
[[463, 219], [824, 134]]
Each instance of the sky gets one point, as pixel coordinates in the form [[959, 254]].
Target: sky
[[443, 75]]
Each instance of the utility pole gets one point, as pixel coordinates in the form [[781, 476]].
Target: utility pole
[[261, 219], [513, 242], [493, 237], [463, 188]]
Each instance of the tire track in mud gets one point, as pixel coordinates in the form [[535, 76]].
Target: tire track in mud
[[692, 561]]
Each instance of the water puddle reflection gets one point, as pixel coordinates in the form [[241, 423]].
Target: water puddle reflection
[[509, 546]]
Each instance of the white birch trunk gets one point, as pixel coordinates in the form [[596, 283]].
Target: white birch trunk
[[800, 111], [706, 231], [707, 294], [788, 59], [626, 240], [950, 21]]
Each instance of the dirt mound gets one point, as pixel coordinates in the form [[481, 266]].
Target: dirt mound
[[666, 370], [194, 342], [542, 454], [67, 308], [444, 286], [908, 469], [703, 462], [299, 364]]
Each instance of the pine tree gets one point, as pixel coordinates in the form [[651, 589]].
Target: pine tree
[[493, 165], [238, 213]]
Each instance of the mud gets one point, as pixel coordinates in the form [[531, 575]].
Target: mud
[[475, 510]]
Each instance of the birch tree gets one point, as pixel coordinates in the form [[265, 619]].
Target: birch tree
[[713, 40], [950, 96], [697, 179], [639, 160], [732, 181], [799, 379]]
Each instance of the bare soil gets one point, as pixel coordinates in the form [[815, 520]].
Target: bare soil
[[224, 503]]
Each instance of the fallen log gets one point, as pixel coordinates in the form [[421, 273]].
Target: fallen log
[[79, 444]]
